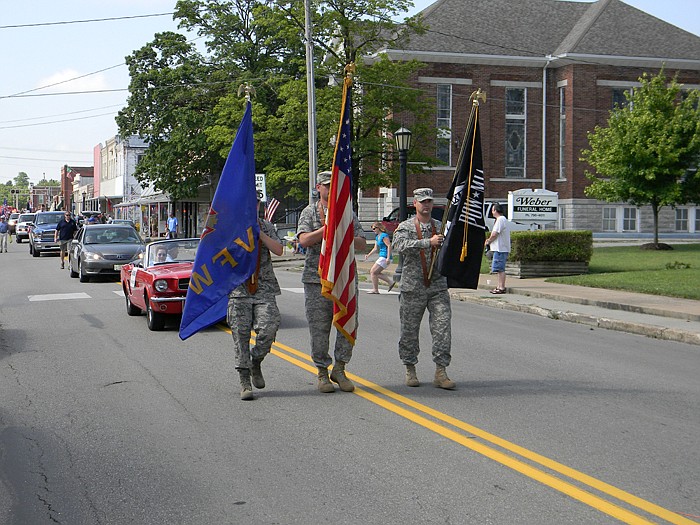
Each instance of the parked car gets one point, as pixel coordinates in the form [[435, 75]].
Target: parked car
[[12, 223], [24, 221], [157, 284], [103, 249], [41, 233], [123, 221], [391, 221]]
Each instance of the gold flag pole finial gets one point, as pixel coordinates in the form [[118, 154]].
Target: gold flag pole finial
[[477, 96], [350, 70], [247, 89]]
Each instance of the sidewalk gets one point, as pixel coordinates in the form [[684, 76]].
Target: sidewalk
[[654, 316]]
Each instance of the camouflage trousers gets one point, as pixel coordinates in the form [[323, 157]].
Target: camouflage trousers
[[412, 306], [319, 314], [244, 316]]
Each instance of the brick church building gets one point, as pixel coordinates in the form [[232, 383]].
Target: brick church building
[[552, 70]]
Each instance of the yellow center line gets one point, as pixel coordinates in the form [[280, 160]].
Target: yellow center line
[[508, 461]]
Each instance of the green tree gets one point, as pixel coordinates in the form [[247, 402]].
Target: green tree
[[22, 180], [648, 150], [50, 182], [172, 92], [184, 103]]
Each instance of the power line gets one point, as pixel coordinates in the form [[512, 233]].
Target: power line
[[63, 81], [56, 121], [58, 115], [66, 22]]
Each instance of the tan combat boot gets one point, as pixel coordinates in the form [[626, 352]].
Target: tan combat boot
[[411, 377], [246, 387], [324, 383], [256, 374], [441, 380], [338, 376]]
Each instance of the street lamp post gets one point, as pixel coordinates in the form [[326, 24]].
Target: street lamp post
[[403, 144]]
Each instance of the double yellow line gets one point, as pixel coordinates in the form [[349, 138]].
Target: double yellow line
[[396, 403]]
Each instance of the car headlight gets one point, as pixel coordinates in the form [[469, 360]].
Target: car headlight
[[161, 285], [92, 256]]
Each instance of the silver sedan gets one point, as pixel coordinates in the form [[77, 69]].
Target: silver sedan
[[102, 249]]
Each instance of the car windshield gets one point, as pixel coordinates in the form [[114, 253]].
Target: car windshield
[[180, 250], [26, 217], [111, 236], [48, 218]]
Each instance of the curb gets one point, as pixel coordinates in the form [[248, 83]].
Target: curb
[[647, 330]]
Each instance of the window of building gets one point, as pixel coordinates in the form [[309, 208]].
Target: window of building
[[697, 220], [443, 149], [609, 219], [629, 219], [682, 219], [619, 99], [516, 101], [562, 132]]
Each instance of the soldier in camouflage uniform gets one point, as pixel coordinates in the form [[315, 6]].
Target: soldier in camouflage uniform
[[253, 306], [417, 240], [319, 310]]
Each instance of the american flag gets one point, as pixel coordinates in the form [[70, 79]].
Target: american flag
[[271, 208], [337, 261]]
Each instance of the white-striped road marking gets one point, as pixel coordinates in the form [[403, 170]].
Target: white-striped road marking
[[59, 296], [301, 290]]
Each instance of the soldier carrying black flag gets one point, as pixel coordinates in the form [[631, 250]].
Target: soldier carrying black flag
[[459, 258]]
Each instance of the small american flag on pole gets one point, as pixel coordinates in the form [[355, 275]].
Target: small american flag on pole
[[337, 261], [271, 208]]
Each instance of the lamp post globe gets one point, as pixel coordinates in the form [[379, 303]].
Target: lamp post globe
[[403, 137]]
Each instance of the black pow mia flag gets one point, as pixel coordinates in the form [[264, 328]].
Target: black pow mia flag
[[460, 256]]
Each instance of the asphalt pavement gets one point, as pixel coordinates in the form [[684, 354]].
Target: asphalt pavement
[[653, 316]]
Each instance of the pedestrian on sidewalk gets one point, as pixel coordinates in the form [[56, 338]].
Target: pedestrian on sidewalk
[[319, 309], [499, 243], [65, 230], [4, 229], [172, 226], [382, 245], [417, 239], [253, 306]]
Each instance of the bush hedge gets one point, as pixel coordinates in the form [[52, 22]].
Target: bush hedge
[[555, 245]]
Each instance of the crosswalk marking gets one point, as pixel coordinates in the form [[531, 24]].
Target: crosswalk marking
[[58, 296]]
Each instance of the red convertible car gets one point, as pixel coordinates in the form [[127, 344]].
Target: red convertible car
[[158, 283]]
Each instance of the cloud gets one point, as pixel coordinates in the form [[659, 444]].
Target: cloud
[[62, 81]]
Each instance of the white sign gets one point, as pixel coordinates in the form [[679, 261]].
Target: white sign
[[533, 206], [260, 186]]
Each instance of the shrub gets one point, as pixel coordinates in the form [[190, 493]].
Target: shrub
[[576, 246]]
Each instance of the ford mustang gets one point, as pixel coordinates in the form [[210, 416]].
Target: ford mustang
[[158, 283]]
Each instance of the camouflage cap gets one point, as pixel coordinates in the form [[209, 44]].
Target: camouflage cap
[[324, 177], [423, 194]]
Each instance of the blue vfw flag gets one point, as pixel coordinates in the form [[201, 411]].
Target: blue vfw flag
[[228, 250]]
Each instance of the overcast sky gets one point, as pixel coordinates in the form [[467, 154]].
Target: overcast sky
[[42, 130]]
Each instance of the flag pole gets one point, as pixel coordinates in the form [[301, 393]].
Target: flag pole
[[475, 97], [311, 101]]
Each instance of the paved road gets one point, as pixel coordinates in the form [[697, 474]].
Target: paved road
[[102, 421]]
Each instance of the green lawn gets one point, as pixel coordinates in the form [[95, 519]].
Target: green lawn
[[674, 273]]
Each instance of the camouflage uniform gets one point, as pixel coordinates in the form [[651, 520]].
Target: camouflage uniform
[[415, 297], [257, 311], [319, 310]]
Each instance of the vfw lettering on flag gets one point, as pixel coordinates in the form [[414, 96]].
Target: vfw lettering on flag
[[223, 258]]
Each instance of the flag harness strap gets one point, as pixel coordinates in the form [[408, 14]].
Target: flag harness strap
[[252, 282], [424, 263]]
